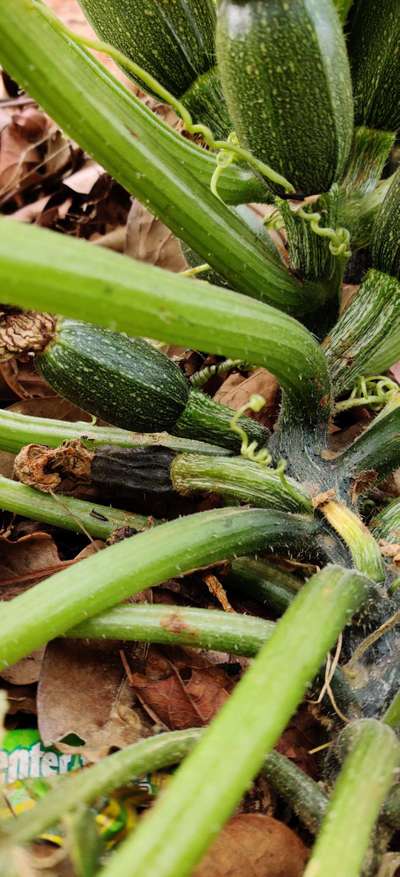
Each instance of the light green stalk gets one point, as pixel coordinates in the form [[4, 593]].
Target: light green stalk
[[45, 271], [147, 559], [77, 515], [179, 625], [366, 777], [242, 479], [18, 430], [210, 783], [139, 152]]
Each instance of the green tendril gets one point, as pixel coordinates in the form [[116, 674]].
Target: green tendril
[[339, 238], [229, 146], [275, 221], [249, 451], [218, 369], [375, 391]]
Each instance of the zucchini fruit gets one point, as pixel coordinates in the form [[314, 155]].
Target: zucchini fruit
[[286, 78], [174, 41], [129, 383], [375, 63]]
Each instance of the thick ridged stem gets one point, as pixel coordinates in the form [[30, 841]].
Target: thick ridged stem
[[366, 338], [18, 430], [358, 214], [385, 239], [377, 450], [392, 715], [82, 99], [263, 582], [369, 153], [54, 273], [386, 524], [309, 253], [147, 559], [366, 776], [343, 7], [360, 542], [301, 792], [211, 421], [240, 479], [179, 625], [66, 512], [172, 839]]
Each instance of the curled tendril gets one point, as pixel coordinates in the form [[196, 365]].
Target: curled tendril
[[249, 450], [229, 146], [220, 368], [339, 238], [375, 391]]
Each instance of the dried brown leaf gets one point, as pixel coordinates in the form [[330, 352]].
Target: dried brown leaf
[[180, 687], [83, 691], [27, 560], [23, 380], [254, 845], [148, 240], [236, 391], [26, 671]]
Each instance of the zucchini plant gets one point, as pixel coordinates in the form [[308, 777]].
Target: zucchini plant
[[311, 128]]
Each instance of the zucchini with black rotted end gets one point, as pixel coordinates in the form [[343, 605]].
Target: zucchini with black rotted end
[[375, 63], [278, 62], [172, 40], [125, 381]]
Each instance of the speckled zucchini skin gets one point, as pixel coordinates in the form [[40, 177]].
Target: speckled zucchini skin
[[374, 50], [386, 232], [125, 382], [174, 40], [286, 78]]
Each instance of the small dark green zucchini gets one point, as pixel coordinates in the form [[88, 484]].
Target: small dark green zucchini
[[174, 41], [286, 78], [386, 232], [375, 63], [129, 383]]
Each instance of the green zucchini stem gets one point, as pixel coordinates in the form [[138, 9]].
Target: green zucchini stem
[[376, 451], [142, 561], [78, 515], [211, 421], [263, 582], [154, 86], [369, 153], [54, 273], [179, 625], [138, 151], [158, 752], [361, 543], [391, 716], [386, 524], [239, 479], [364, 781], [366, 338], [302, 793], [343, 7], [18, 430], [358, 213], [172, 839], [83, 787]]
